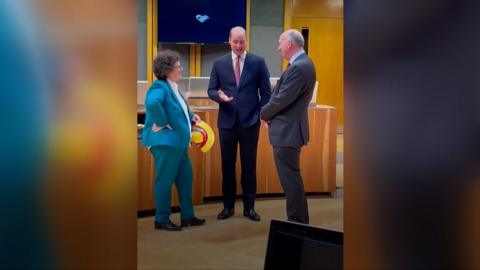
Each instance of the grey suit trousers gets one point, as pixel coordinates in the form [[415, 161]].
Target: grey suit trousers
[[287, 161]]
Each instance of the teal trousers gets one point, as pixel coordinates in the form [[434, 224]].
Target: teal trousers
[[172, 165]]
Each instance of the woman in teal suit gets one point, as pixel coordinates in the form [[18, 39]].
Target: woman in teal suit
[[167, 132]]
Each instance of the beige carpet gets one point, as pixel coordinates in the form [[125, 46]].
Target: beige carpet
[[340, 157], [235, 243]]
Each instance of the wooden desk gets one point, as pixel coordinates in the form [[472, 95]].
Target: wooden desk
[[317, 163]]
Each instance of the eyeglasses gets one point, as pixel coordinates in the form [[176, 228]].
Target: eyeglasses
[[178, 66]]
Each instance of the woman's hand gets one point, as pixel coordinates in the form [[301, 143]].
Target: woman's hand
[[156, 128], [265, 123], [196, 118]]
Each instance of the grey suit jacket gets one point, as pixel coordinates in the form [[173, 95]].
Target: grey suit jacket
[[287, 110]]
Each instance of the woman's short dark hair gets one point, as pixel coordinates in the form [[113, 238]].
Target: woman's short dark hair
[[164, 63]]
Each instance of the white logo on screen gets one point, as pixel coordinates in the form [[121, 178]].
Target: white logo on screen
[[202, 18]]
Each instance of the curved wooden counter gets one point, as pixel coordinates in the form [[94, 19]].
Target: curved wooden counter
[[318, 159]]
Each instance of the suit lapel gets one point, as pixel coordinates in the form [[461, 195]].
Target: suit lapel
[[229, 66], [244, 70], [178, 101], [279, 82], [172, 94], [299, 58], [184, 100]]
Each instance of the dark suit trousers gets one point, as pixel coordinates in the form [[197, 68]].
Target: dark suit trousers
[[287, 161], [247, 138]]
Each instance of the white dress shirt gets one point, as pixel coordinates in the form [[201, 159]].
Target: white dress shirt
[[182, 103], [242, 61], [295, 56]]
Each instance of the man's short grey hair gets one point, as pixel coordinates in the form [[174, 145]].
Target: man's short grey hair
[[295, 36]]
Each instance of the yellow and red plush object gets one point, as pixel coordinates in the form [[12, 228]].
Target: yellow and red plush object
[[203, 136]]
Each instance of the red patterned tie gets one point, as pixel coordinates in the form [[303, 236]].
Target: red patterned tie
[[236, 71]]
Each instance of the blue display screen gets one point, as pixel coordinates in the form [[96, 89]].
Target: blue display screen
[[199, 21]]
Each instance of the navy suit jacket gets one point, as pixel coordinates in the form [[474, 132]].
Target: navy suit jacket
[[252, 94]]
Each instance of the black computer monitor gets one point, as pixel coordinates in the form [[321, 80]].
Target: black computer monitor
[[298, 246]]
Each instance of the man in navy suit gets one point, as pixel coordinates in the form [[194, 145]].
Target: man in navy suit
[[240, 83]]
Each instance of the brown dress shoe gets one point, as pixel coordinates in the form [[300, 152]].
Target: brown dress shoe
[[193, 222]]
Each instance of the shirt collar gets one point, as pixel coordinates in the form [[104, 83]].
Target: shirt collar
[[242, 57], [295, 56], [173, 84]]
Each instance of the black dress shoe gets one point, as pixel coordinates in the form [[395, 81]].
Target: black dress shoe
[[251, 214], [226, 213], [193, 222], [169, 226]]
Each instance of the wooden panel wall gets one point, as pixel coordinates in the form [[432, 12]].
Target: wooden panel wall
[[317, 8], [324, 18], [318, 159], [326, 51]]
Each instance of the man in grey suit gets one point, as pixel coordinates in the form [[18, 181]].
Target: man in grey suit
[[286, 116]]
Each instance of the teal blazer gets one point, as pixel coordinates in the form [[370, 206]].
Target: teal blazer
[[163, 108]]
